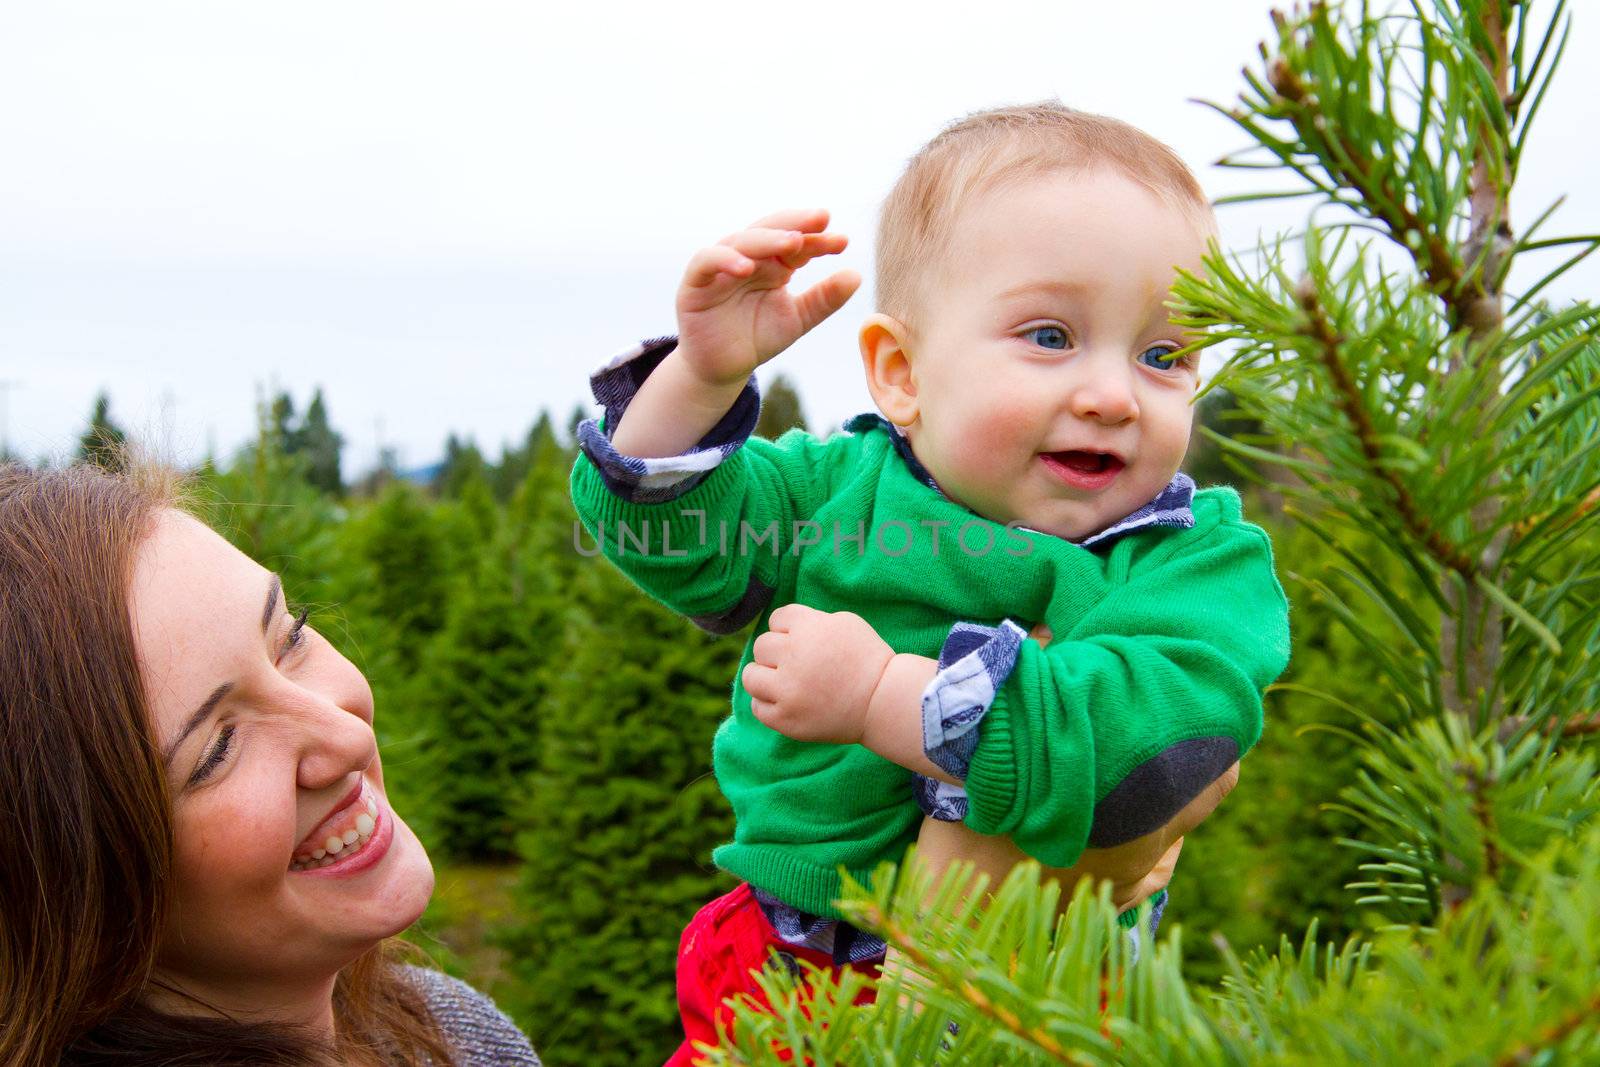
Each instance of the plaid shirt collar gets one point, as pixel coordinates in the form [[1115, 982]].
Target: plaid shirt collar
[[1171, 507]]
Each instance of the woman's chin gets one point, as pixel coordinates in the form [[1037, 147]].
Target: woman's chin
[[411, 880], [381, 900]]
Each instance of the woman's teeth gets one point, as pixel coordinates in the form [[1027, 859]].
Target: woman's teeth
[[342, 844]]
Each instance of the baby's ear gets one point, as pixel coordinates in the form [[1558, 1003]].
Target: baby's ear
[[886, 357]]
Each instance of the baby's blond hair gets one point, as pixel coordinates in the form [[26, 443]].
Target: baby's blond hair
[[989, 147]]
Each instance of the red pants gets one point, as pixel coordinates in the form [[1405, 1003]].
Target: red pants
[[723, 943]]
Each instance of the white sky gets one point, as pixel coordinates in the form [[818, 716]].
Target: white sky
[[447, 214]]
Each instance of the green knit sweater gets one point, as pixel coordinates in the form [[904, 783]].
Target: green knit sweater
[[1165, 637]]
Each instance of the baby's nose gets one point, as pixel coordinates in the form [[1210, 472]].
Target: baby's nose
[[1107, 398]]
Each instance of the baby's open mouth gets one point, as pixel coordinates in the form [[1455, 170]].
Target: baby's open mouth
[[1087, 462]]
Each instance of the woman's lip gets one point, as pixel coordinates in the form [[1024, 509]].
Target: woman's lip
[[367, 856], [1080, 479], [339, 809]]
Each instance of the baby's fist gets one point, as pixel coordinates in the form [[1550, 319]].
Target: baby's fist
[[813, 673]]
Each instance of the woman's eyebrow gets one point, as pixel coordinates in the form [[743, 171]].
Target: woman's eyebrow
[[209, 705]]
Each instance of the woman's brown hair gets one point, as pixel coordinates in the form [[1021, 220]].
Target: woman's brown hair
[[86, 837]]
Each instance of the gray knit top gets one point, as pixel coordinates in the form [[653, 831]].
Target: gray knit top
[[478, 1032]]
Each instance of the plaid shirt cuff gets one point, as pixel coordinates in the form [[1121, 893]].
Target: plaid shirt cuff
[[657, 480], [842, 942], [973, 664]]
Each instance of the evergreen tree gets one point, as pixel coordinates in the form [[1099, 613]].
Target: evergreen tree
[[285, 434], [516, 462], [401, 542], [1435, 426], [263, 504], [100, 444], [780, 409], [463, 462], [321, 445], [620, 820], [388, 470], [576, 416], [468, 513], [485, 679]]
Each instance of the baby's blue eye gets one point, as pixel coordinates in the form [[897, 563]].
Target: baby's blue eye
[[1053, 337], [1158, 357]]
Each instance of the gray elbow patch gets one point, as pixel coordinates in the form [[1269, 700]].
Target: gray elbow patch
[[1159, 788], [757, 595]]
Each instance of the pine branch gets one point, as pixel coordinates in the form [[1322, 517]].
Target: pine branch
[[1349, 399], [1461, 291], [1588, 504], [1582, 725], [1488, 240], [1484, 813], [1552, 1035], [877, 919], [1490, 234]]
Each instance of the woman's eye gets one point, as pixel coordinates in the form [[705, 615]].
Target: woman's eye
[[1052, 337], [1160, 357], [296, 633], [214, 758]]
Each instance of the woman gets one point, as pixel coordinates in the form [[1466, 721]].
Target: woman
[[198, 864]]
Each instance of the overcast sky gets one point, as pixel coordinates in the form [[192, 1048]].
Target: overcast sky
[[447, 214]]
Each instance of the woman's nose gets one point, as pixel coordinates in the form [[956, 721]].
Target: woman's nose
[[334, 742]]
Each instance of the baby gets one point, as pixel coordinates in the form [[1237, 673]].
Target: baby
[[1034, 405]]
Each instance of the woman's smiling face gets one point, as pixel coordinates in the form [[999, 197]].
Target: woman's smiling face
[[266, 731]]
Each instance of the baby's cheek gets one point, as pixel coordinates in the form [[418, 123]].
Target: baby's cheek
[[1001, 440], [985, 468], [1169, 420], [1007, 412]]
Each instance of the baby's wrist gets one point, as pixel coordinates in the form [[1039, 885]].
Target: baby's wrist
[[673, 409], [892, 726], [696, 365], [873, 713]]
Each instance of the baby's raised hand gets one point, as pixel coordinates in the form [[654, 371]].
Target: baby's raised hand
[[735, 311], [814, 672]]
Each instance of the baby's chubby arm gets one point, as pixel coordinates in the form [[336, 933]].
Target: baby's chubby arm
[[828, 676], [735, 313], [672, 465]]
